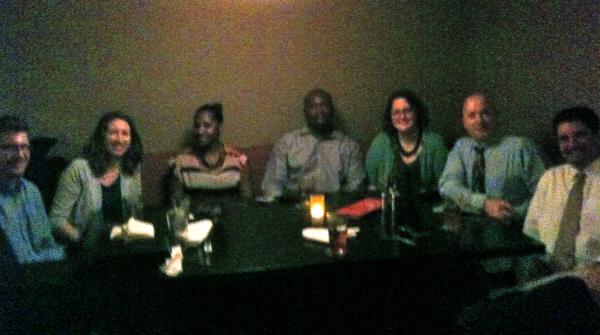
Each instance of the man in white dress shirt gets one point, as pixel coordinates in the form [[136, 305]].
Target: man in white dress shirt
[[566, 222]]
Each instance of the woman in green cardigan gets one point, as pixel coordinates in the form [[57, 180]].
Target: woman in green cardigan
[[405, 153]]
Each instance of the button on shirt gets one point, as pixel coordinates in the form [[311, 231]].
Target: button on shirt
[[548, 204], [302, 162], [512, 170], [23, 220]]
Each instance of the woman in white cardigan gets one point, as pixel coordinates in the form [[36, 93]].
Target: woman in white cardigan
[[101, 189]]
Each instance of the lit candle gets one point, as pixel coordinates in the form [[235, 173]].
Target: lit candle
[[317, 209]]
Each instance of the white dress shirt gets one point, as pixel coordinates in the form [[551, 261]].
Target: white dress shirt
[[548, 204]]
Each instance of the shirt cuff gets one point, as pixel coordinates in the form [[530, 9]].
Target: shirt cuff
[[476, 202]]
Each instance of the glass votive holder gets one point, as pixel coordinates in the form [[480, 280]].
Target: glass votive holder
[[177, 220], [316, 207]]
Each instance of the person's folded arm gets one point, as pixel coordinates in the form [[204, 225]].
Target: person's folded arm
[[535, 210], [67, 194], [276, 172], [355, 169]]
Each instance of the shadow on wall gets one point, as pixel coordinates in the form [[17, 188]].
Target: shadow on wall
[[45, 171]]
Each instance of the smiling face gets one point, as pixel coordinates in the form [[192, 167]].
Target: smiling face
[[578, 144], [118, 138], [403, 117], [14, 154], [319, 114], [478, 117], [206, 129]]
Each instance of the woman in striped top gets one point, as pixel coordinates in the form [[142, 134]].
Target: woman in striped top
[[207, 169]]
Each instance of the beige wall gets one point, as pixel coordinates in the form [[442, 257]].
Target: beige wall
[[66, 61]]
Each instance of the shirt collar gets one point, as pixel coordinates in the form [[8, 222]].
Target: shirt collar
[[11, 185], [491, 141], [593, 167], [305, 131]]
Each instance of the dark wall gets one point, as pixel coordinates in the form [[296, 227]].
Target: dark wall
[[64, 62]]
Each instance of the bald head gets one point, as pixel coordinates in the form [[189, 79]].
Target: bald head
[[478, 117]]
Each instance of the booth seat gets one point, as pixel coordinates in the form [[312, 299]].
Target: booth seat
[[156, 167]]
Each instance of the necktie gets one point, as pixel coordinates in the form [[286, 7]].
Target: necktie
[[479, 171], [563, 255]]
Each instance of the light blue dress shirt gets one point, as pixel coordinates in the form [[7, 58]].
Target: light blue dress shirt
[[23, 219], [512, 170]]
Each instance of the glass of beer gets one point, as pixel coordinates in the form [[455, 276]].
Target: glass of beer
[[338, 234]]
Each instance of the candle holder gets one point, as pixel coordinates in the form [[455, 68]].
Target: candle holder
[[317, 209]]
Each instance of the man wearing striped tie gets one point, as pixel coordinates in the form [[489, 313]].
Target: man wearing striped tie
[[487, 174]]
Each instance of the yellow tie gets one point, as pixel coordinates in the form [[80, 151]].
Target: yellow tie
[[563, 255]]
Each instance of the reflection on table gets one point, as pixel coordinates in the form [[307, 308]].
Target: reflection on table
[[262, 277]]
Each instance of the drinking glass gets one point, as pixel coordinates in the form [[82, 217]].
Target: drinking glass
[[338, 234]]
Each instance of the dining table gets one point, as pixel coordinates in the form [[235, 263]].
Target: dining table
[[260, 275]]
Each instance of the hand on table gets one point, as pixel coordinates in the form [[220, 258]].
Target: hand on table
[[70, 233], [498, 209]]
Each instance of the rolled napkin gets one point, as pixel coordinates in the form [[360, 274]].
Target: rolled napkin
[[173, 266], [321, 234], [196, 232], [133, 229]]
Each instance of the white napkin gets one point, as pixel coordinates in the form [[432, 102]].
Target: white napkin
[[173, 266], [321, 234], [133, 229], [196, 232]]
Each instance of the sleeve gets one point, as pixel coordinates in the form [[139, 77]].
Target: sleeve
[[530, 227], [245, 179], [67, 193], [174, 185], [50, 250], [375, 162], [533, 168], [355, 172], [276, 172], [453, 183], [138, 203], [439, 157]]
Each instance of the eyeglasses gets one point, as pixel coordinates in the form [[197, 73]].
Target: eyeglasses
[[15, 148], [404, 111]]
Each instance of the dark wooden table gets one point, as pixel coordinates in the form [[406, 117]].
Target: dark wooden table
[[263, 277]]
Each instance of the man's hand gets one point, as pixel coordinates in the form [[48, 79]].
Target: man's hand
[[69, 233], [498, 209]]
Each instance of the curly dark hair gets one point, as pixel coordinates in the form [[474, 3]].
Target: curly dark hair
[[415, 103], [216, 109], [96, 154], [582, 114], [13, 123]]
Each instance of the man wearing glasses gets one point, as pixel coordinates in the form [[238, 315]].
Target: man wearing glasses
[[24, 226]]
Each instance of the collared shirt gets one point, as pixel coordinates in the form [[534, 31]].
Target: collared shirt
[[23, 219], [302, 162], [512, 170], [548, 204]]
